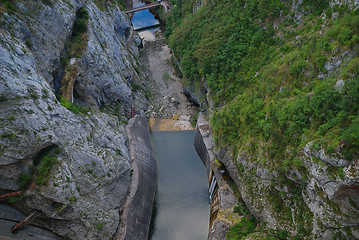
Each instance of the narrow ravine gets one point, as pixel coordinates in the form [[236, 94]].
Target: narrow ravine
[[181, 208]]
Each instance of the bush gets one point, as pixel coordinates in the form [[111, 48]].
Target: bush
[[80, 25], [99, 226], [24, 180], [135, 87], [242, 229], [44, 169], [47, 2], [315, 6], [41, 168], [9, 6], [10, 136], [71, 106], [282, 234]]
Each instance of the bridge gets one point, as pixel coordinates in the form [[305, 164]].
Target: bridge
[[143, 8]]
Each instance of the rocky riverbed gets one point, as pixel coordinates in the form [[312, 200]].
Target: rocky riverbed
[[169, 108]]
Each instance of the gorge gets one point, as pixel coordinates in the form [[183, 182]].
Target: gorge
[[270, 89]]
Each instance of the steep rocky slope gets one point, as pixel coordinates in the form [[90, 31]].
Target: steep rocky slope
[[74, 165], [282, 81]]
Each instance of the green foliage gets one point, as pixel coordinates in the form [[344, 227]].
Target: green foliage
[[80, 25], [282, 234], [340, 173], [99, 226], [315, 6], [16, 199], [194, 120], [47, 2], [72, 199], [242, 229], [264, 80], [71, 106], [78, 41], [10, 136], [8, 6], [11, 118], [44, 169], [351, 135], [41, 168], [24, 180], [28, 43], [228, 55], [136, 87], [3, 98], [121, 3]]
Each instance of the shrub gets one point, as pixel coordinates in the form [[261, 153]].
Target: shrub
[[47, 2], [242, 229], [135, 87], [10, 136], [44, 169], [23, 180], [10, 8], [28, 43], [99, 226], [282, 234], [71, 106]]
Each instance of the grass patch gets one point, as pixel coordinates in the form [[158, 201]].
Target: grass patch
[[41, 169], [136, 87], [242, 229], [71, 106]]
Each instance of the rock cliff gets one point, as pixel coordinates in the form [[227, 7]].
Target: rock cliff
[[73, 166]]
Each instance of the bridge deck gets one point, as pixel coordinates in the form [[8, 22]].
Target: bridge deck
[[143, 8]]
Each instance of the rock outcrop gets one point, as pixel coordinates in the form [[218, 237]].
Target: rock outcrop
[[224, 199], [327, 203], [81, 194]]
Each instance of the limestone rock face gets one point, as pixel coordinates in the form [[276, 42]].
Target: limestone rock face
[[106, 67], [87, 185], [327, 201]]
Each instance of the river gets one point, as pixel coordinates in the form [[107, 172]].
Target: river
[[181, 209], [182, 205]]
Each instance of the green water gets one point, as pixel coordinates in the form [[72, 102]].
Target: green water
[[182, 205]]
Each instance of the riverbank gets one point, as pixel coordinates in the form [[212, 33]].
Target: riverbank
[[169, 109]]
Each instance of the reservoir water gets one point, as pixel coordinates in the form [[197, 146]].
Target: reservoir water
[[182, 206], [143, 19]]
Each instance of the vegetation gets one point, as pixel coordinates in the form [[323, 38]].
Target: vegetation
[[24, 180], [9, 135], [7, 6], [71, 106], [242, 229], [276, 86], [78, 39], [99, 226], [44, 169], [102, 4], [264, 80], [41, 168], [136, 87]]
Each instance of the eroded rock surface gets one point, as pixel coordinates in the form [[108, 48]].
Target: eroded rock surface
[[88, 184]]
